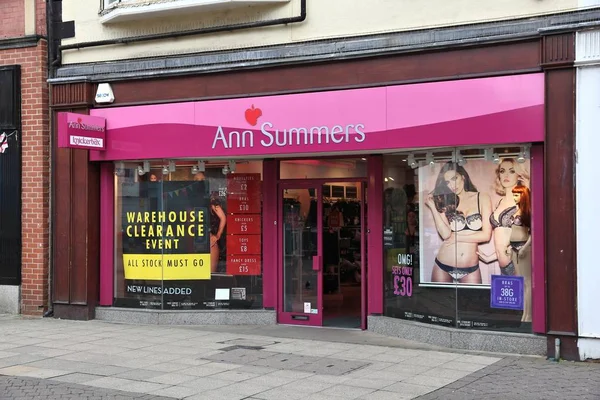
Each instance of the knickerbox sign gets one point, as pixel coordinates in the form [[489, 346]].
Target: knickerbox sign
[[81, 131]]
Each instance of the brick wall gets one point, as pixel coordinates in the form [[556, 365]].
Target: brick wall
[[35, 173], [40, 17], [12, 18], [35, 148]]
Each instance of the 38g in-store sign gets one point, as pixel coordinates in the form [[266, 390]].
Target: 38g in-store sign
[[507, 292]]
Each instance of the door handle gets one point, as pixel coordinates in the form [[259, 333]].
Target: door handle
[[316, 263]]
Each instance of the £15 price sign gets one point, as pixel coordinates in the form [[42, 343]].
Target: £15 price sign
[[403, 276]]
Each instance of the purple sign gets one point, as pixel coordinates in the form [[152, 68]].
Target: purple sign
[[507, 292]]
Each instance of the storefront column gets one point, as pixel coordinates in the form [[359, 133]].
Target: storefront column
[[588, 218], [76, 221], [107, 233], [270, 231], [558, 55], [375, 236]]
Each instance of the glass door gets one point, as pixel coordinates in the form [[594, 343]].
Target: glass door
[[301, 244]]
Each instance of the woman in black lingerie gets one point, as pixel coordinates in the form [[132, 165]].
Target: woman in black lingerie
[[461, 215], [218, 222], [520, 243], [508, 175]]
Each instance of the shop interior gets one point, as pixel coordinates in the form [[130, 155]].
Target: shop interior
[[340, 217]]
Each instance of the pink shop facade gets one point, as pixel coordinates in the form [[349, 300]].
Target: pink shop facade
[[394, 208]]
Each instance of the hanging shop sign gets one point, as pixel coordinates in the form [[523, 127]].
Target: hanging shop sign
[[79, 131]]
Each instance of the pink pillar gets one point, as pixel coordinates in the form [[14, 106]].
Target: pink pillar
[[107, 233], [269, 217], [375, 235]]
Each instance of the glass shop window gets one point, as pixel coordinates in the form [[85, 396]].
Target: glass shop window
[[188, 234], [457, 237]]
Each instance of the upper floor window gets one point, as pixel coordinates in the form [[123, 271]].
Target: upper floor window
[[128, 10], [108, 3]]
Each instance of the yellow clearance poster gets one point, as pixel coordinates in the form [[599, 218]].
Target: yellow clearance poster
[[166, 245]]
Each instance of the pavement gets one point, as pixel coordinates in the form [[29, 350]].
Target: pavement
[[57, 359]]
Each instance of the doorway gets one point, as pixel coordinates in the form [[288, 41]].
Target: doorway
[[322, 246]]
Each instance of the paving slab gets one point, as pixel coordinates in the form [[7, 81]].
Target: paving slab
[[56, 359], [16, 387]]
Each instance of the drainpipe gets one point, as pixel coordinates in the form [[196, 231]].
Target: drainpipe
[[192, 32], [51, 48]]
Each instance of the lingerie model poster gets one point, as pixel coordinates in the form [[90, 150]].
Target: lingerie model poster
[[475, 223]]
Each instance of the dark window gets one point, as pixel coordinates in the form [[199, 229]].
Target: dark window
[[10, 176]]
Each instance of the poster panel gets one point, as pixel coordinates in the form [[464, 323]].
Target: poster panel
[[474, 222], [244, 244], [166, 245]]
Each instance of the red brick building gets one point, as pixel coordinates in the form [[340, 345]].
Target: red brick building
[[24, 160]]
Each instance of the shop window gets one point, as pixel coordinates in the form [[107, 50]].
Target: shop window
[[188, 235], [457, 237]]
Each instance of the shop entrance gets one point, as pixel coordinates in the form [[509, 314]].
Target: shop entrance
[[322, 246]]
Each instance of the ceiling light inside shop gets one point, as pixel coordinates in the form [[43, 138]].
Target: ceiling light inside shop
[[429, 160], [412, 162], [460, 160], [523, 155], [144, 168], [201, 167], [119, 168], [496, 158]]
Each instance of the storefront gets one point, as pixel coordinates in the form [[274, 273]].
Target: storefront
[[410, 195], [417, 202]]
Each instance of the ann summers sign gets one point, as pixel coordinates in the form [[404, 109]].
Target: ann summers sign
[[80, 131]]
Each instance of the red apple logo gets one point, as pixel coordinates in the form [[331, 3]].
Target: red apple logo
[[252, 115], [79, 120]]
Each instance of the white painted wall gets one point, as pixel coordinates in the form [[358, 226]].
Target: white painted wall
[[325, 19], [588, 191], [588, 3]]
